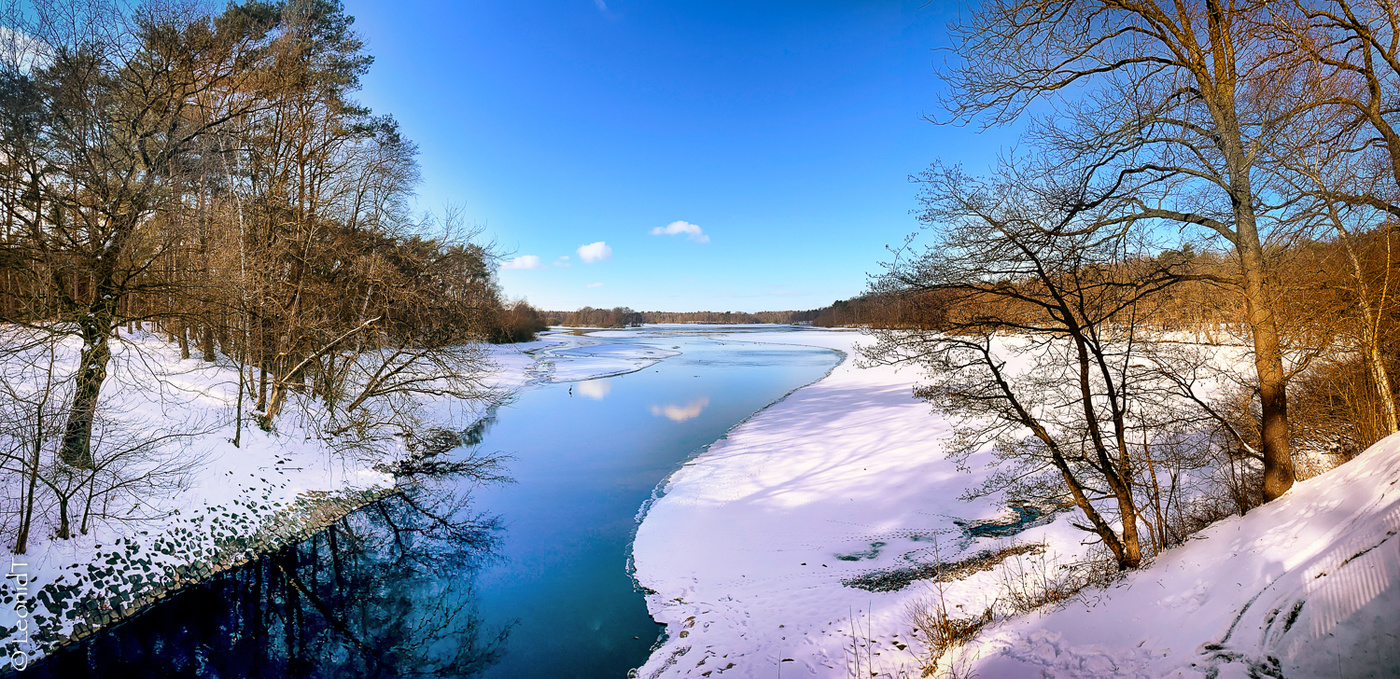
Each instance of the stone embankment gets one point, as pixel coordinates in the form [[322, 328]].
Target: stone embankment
[[136, 572]]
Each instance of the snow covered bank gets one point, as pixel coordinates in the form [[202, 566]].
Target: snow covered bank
[[230, 501], [213, 499], [747, 549], [757, 552], [1306, 586]]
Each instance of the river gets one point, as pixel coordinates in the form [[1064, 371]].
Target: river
[[526, 578]]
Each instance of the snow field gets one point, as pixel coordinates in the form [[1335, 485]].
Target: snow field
[[745, 554], [1305, 586], [747, 549]]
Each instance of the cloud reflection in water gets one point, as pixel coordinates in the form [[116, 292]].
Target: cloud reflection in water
[[594, 389], [682, 413]]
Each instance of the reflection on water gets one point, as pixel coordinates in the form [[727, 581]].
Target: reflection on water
[[421, 584], [584, 469], [595, 389], [388, 591], [688, 411]]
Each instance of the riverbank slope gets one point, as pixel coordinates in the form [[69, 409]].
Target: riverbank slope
[[1305, 586], [792, 548], [748, 548]]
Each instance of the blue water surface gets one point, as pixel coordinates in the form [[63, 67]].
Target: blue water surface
[[528, 579], [587, 457]]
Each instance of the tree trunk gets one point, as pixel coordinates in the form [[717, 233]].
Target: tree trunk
[[184, 335], [63, 532], [76, 450], [27, 518], [1218, 87], [1370, 324], [1268, 362], [1382, 379], [206, 343]]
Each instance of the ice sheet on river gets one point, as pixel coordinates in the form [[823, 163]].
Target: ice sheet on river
[[585, 359]]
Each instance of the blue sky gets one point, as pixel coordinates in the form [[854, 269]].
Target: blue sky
[[738, 156]]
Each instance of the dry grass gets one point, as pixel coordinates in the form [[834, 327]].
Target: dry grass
[[895, 579], [1029, 580], [861, 661], [942, 633]]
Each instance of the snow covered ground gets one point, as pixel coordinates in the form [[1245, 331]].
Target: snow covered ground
[[748, 547], [1306, 586], [746, 552]]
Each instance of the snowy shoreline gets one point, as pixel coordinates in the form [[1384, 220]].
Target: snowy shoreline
[[747, 548], [760, 555], [661, 488], [798, 542], [276, 489]]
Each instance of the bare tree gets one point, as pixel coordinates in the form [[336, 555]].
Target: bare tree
[[1039, 352], [1340, 156], [1167, 99], [1350, 52], [31, 400], [1319, 171], [122, 106], [134, 462]]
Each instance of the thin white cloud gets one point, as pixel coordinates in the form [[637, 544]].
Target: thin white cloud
[[595, 285], [602, 6], [594, 252], [523, 262], [688, 411], [678, 227], [563, 261]]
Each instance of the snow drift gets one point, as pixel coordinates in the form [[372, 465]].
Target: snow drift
[[1306, 586]]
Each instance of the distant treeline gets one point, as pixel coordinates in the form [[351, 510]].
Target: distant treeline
[[621, 317], [860, 311]]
